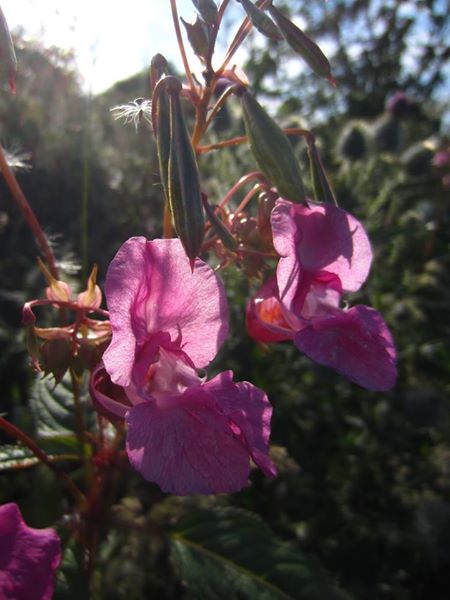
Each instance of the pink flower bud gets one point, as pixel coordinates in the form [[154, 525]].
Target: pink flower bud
[[92, 297], [57, 290]]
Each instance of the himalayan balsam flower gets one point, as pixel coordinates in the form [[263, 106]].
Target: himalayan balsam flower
[[186, 434], [324, 252], [28, 558]]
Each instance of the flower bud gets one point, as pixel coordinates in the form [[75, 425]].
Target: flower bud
[[8, 61], [260, 20], [56, 355], [57, 290], [303, 45], [266, 203], [207, 10], [90, 352], [321, 186], [185, 198], [272, 150], [28, 321], [92, 297]]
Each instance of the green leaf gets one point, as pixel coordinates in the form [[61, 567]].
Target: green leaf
[[16, 457], [72, 580], [230, 553], [207, 10], [53, 410]]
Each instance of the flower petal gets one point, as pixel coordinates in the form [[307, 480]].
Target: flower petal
[[187, 446], [108, 398], [321, 237], [264, 316], [28, 557], [357, 343], [249, 408], [150, 288], [124, 280]]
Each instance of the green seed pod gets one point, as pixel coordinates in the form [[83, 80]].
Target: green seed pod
[[220, 229], [207, 10], [8, 61], [260, 20], [185, 199], [303, 45], [272, 150], [159, 68], [321, 186]]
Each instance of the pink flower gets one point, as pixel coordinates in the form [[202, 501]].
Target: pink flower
[[324, 252], [441, 159], [28, 558], [186, 434]]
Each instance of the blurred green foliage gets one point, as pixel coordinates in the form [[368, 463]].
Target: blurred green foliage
[[363, 491]]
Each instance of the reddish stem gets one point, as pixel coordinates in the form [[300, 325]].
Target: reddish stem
[[243, 138], [187, 69], [241, 34], [21, 436], [247, 199], [70, 305], [237, 186], [28, 214]]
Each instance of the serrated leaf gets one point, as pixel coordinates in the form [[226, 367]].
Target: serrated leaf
[[16, 457], [13, 457], [53, 409], [230, 553]]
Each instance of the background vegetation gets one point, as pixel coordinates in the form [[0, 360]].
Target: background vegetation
[[361, 508]]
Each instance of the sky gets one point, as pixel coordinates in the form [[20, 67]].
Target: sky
[[111, 40]]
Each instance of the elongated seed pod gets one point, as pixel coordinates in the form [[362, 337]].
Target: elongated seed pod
[[303, 45], [159, 69], [271, 149], [185, 199], [260, 20], [322, 189]]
